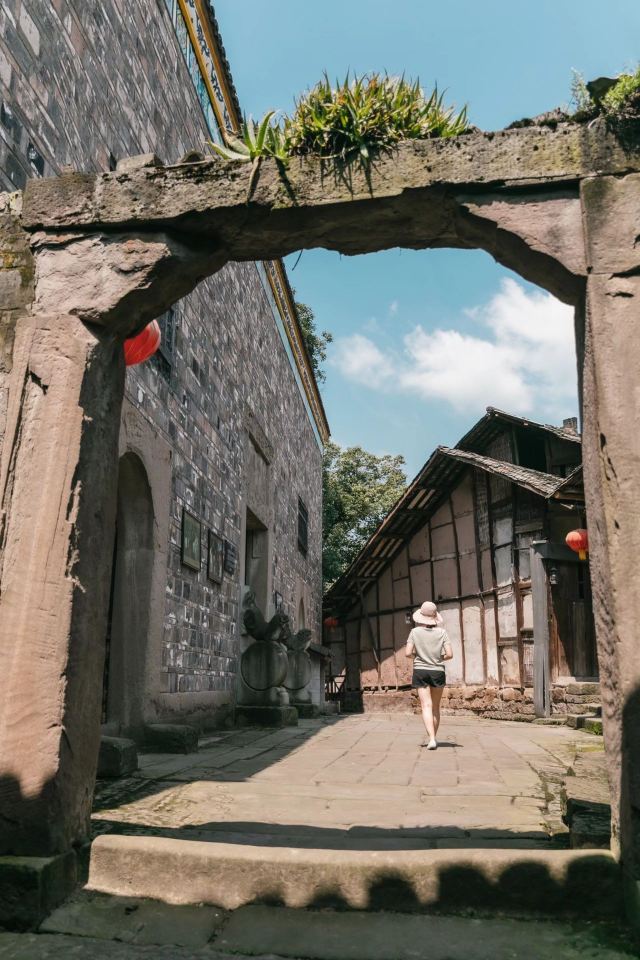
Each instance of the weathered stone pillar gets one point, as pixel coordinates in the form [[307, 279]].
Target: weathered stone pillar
[[611, 443], [58, 478]]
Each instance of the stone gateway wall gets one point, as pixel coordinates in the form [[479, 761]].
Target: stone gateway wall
[[85, 84]]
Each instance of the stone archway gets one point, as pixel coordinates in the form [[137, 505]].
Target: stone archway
[[89, 259], [130, 599]]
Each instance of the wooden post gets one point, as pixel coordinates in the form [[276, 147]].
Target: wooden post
[[372, 640], [540, 597]]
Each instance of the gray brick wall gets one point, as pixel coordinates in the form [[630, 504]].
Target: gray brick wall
[[85, 82]]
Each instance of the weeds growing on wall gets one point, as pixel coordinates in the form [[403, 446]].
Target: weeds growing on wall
[[622, 101], [616, 99], [356, 118]]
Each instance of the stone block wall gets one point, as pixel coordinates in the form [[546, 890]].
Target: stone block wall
[[84, 84], [490, 702]]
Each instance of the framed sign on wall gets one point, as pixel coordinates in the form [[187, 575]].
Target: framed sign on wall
[[190, 545], [215, 557], [230, 558]]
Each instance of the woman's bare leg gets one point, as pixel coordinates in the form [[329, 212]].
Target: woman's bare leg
[[436, 697], [425, 694]]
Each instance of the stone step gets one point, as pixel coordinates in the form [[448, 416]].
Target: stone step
[[595, 709], [118, 928], [578, 720], [233, 875]]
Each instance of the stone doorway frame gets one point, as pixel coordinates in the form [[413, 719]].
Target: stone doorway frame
[[130, 600], [89, 259]]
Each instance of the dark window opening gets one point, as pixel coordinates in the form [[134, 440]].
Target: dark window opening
[[303, 528], [36, 160], [164, 358], [531, 450], [10, 121]]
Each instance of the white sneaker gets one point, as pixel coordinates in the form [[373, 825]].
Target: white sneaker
[[432, 745]]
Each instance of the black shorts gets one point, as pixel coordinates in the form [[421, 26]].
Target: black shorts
[[428, 678]]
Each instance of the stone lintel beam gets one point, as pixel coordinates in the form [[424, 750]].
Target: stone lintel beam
[[466, 192], [210, 197]]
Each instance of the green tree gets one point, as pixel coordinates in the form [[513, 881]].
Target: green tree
[[316, 343], [359, 489]]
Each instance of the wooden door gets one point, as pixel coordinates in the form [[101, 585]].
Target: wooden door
[[573, 648]]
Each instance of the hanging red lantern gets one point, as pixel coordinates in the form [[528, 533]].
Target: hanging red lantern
[[139, 348], [578, 540], [330, 622]]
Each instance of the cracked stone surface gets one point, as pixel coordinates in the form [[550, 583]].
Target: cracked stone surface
[[362, 781]]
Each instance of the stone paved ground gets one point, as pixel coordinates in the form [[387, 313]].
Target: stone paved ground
[[358, 780], [265, 933], [353, 782]]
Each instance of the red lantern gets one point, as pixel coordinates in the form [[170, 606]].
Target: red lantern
[[144, 345], [578, 540], [331, 622]]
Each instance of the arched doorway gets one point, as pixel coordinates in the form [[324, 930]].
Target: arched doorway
[[128, 624]]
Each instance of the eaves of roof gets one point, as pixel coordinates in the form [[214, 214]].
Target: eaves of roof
[[421, 499], [489, 426]]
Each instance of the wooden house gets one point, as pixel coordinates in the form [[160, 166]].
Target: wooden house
[[481, 531]]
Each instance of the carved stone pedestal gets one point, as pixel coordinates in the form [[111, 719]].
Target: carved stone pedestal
[[258, 716], [307, 711]]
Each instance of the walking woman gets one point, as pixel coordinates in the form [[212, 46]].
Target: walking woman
[[429, 646]]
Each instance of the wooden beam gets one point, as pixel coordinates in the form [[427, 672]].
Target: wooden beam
[[459, 583], [541, 663], [556, 551]]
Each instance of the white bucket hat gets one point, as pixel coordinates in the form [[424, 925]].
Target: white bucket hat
[[428, 615]]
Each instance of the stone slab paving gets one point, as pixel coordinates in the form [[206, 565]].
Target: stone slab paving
[[327, 935], [349, 780], [362, 783], [268, 933]]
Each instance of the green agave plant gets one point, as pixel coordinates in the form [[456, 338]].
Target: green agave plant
[[356, 117], [366, 114], [257, 140]]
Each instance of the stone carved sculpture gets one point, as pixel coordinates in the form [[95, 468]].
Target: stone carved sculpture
[[264, 663], [275, 668], [299, 668]]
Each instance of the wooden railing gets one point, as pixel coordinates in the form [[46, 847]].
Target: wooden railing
[[334, 689]]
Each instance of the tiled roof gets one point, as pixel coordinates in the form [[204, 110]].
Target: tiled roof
[[544, 484], [422, 497], [490, 424], [572, 487]]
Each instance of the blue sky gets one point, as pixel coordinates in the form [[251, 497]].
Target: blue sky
[[425, 340]]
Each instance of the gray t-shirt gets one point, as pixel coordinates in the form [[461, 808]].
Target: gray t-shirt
[[429, 644]]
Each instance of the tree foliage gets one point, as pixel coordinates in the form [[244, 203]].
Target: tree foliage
[[359, 489], [316, 343]]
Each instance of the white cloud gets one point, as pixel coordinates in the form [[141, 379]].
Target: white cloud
[[359, 359], [522, 360]]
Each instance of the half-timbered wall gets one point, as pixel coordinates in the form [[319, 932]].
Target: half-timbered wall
[[471, 557]]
